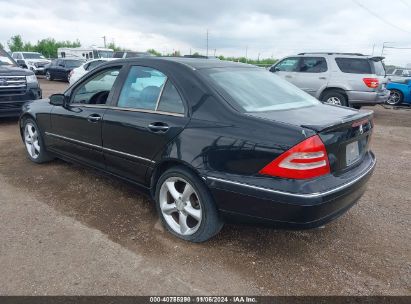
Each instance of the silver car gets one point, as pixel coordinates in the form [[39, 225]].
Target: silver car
[[347, 79]]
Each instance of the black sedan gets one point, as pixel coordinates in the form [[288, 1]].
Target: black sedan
[[209, 140], [60, 68]]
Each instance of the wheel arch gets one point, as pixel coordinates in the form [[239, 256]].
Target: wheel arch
[[163, 166], [337, 89]]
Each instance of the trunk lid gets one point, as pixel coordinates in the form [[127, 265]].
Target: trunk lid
[[345, 132]]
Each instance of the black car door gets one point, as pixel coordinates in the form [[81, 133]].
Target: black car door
[[149, 113], [76, 127]]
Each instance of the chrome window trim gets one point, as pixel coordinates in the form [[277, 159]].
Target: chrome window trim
[[161, 94], [307, 195], [126, 109], [99, 147]]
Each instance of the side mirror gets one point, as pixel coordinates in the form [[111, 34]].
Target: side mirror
[[21, 62], [57, 99], [274, 69], [61, 65]]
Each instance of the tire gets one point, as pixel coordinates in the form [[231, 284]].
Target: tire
[[48, 76], [335, 97], [33, 142], [396, 98], [197, 210]]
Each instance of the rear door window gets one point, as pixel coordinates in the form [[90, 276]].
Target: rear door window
[[170, 100], [354, 65], [142, 88], [313, 65]]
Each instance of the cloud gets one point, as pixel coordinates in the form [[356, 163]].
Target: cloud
[[269, 28]]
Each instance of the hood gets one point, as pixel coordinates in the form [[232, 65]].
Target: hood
[[318, 117], [6, 70]]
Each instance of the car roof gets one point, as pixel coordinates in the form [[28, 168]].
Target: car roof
[[193, 63]]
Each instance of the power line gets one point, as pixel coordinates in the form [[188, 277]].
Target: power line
[[379, 17]]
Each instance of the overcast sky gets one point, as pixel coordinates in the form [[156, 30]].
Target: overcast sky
[[267, 27]]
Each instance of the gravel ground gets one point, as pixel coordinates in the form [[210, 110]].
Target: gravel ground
[[70, 230]]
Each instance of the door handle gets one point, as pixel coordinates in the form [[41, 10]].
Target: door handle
[[158, 127], [323, 78], [288, 76], [94, 118]]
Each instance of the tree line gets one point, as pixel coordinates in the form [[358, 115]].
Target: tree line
[[48, 47]]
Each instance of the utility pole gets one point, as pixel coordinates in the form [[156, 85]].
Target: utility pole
[[207, 44], [104, 38], [373, 47]]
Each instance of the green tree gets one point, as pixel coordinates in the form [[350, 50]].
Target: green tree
[[15, 43], [114, 47], [154, 52]]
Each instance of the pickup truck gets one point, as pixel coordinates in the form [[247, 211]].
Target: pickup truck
[[17, 86]]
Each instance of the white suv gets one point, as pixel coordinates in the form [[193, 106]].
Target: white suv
[[347, 79], [31, 60]]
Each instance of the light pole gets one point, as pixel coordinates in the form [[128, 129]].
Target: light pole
[[104, 38]]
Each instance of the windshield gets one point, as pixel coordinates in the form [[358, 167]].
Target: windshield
[[257, 90], [5, 59], [73, 63], [105, 54], [33, 56]]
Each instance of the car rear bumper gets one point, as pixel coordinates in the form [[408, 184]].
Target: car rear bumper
[[368, 98], [11, 105], [329, 197]]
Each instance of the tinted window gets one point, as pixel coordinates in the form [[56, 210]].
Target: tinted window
[[5, 58], [73, 63], [118, 55], [398, 72], [313, 65], [288, 65], [96, 89], [379, 68], [142, 88], [257, 90], [354, 65], [170, 100]]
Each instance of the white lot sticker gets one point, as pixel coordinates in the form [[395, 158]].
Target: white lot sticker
[[352, 153]]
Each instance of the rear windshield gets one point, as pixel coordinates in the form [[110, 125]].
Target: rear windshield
[[257, 90]]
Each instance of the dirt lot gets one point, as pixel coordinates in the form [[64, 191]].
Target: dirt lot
[[69, 230]]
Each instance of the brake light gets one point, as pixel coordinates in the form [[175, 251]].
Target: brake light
[[307, 159], [371, 82]]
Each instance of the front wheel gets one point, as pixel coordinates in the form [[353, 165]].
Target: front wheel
[[48, 76], [396, 98], [34, 143], [186, 207]]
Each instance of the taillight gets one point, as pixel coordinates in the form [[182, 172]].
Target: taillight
[[371, 82], [307, 159]]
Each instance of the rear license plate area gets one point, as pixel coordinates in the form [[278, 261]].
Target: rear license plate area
[[352, 153]]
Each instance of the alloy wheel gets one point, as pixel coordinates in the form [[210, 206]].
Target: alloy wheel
[[180, 206], [334, 100], [31, 140], [48, 76], [394, 98]]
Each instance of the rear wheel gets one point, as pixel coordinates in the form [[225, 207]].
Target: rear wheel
[[335, 98], [186, 207], [396, 98]]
